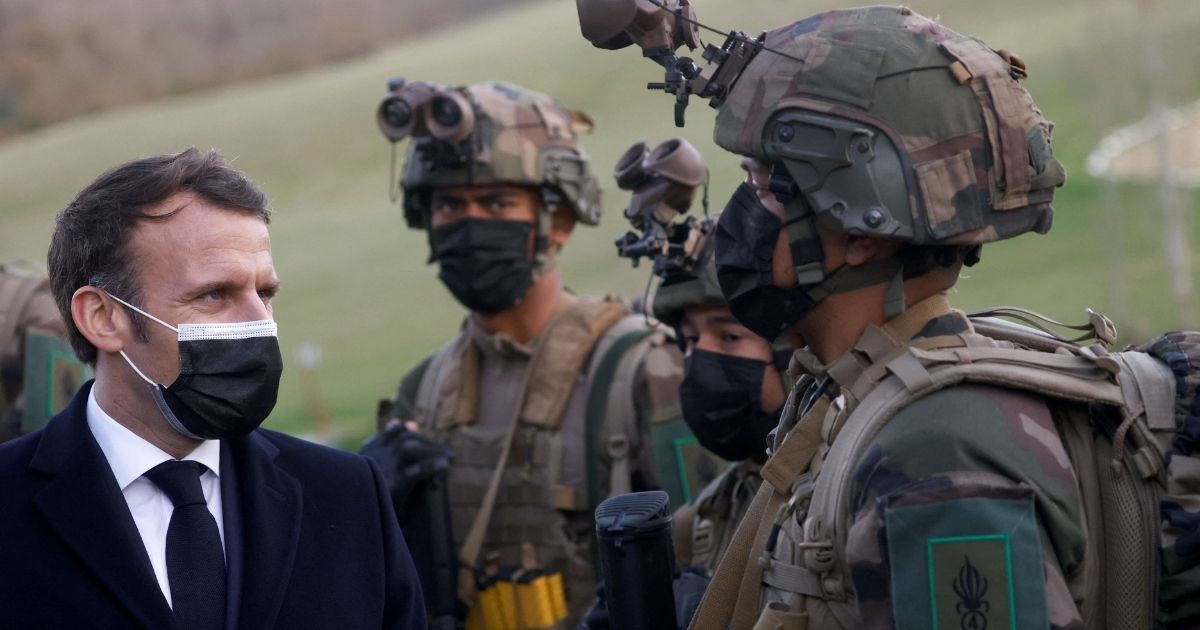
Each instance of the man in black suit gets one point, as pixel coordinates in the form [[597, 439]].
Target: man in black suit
[[154, 500]]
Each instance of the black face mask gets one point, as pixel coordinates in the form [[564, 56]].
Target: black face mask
[[226, 388], [485, 263], [721, 397], [228, 378], [745, 241]]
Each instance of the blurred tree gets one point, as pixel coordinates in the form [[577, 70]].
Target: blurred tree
[[68, 57]]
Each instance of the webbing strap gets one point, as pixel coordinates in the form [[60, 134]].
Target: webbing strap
[[597, 402], [716, 611], [794, 578], [1155, 388], [733, 596]]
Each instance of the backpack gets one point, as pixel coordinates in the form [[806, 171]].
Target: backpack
[[1130, 422], [38, 371]]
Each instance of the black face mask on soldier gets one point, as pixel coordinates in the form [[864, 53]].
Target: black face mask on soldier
[[721, 397], [745, 241], [485, 263], [228, 377]]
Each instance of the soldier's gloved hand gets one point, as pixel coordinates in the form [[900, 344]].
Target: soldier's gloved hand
[[689, 589], [407, 459], [596, 617]]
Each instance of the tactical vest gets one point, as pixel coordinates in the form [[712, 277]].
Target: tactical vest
[[786, 567], [533, 518], [703, 529]]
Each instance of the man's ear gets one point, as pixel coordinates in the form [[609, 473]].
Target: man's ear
[[561, 226], [99, 319], [861, 250]]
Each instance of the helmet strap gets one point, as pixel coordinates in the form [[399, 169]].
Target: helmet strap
[[544, 258], [845, 279]]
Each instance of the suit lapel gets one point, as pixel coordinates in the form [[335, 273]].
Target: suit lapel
[[84, 506], [271, 502]]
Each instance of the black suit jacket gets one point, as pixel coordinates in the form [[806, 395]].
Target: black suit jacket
[[311, 539]]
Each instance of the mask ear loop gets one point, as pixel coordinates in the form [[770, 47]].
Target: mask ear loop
[[122, 352], [135, 369], [176, 330]]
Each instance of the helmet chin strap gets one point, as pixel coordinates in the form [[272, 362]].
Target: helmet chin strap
[[544, 259], [846, 278]]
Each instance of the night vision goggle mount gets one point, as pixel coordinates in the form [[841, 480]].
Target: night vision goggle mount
[[663, 182], [422, 109], [659, 27]]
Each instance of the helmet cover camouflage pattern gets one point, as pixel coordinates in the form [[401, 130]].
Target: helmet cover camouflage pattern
[[516, 136], [895, 126]]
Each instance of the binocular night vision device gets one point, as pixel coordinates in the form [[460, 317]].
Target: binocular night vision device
[[663, 182], [423, 108]]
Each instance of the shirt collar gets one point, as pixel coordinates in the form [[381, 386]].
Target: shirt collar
[[497, 344], [129, 455]]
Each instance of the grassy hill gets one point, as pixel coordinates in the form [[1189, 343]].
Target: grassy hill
[[355, 279]]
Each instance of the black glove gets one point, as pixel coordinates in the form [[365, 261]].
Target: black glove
[[689, 589], [407, 460], [596, 617]]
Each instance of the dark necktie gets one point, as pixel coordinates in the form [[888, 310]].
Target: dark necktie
[[195, 559]]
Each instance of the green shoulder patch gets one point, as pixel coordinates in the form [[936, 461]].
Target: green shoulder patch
[[52, 376], [966, 564]]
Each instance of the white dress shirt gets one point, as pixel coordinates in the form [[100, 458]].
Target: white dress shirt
[[130, 457]]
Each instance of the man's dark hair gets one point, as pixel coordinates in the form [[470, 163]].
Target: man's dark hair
[[91, 235]]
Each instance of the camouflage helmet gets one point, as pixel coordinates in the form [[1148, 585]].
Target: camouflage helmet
[[894, 126], [694, 285], [488, 133]]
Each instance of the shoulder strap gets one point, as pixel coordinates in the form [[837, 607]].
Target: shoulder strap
[[733, 597], [598, 400], [439, 392], [560, 356]]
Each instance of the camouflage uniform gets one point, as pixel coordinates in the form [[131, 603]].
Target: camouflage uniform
[[964, 509], [27, 308], [582, 399], [941, 477]]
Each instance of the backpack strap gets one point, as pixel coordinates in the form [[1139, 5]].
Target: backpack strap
[[733, 597], [602, 394], [561, 354], [440, 390]]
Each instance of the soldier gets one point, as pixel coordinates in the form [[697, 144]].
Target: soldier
[[31, 331], [889, 149], [733, 386], [549, 402]]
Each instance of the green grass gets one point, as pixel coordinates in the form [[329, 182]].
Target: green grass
[[355, 279]]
